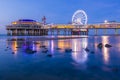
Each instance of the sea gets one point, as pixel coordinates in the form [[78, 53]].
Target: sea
[[60, 58]]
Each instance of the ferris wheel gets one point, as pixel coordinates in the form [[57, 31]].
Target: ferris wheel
[[79, 18]]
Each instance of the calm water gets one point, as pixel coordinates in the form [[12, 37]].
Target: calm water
[[103, 64]]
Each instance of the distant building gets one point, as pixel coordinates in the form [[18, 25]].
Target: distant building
[[25, 27]]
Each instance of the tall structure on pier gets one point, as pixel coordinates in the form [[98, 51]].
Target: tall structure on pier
[[44, 20], [79, 21], [79, 18]]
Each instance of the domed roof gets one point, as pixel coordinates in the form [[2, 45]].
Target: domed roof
[[26, 20]]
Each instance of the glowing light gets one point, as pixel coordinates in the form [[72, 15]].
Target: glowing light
[[79, 55], [33, 46], [84, 43], [63, 26], [105, 50], [52, 46], [38, 46], [14, 23], [63, 44], [105, 21], [14, 45]]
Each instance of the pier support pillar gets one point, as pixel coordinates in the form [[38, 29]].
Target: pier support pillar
[[96, 31], [105, 31], [64, 31], [116, 31], [23, 32], [58, 32], [8, 32]]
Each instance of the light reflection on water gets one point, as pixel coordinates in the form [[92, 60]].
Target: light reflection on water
[[52, 46], [61, 62], [79, 54], [105, 40], [14, 47]]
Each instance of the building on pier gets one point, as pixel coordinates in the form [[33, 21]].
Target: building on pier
[[106, 25], [26, 27]]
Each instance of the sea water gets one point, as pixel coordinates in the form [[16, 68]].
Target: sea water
[[79, 64]]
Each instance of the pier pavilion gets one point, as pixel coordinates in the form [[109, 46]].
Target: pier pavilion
[[26, 27]]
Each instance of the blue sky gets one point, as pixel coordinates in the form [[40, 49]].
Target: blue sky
[[57, 11]]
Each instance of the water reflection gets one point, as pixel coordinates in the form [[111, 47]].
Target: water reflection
[[51, 46], [105, 51], [22, 44], [64, 44], [79, 55], [14, 47], [37, 44], [92, 65], [34, 44]]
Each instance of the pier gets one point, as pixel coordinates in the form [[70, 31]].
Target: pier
[[42, 32], [27, 27], [60, 29], [79, 26]]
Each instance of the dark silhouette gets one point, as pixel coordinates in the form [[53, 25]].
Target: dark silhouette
[[108, 45], [100, 45]]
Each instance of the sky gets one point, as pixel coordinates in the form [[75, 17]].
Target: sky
[[57, 11]]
